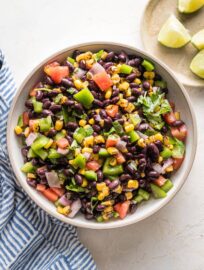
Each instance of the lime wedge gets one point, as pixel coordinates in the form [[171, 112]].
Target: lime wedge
[[173, 34], [189, 6], [197, 64], [198, 40]]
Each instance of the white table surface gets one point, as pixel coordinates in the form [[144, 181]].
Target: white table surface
[[32, 30]]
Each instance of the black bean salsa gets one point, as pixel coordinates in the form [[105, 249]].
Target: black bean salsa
[[99, 135]]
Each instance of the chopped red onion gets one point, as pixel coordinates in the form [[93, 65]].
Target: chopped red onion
[[96, 68], [80, 73], [157, 167], [53, 179], [166, 164], [142, 135], [121, 145], [31, 138], [98, 117], [75, 207], [62, 151], [64, 201], [87, 155]]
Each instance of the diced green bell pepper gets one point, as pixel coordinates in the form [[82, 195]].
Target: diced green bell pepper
[[148, 65], [70, 60], [65, 114], [31, 153], [166, 153], [138, 199], [157, 191], [45, 124], [59, 136], [135, 119], [38, 106], [85, 97], [39, 143], [89, 130], [79, 134], [58, 98], [109, 170], [179, 149], [161, 84], [53, 154], [118, 128], [126, 69], [167, 185], [41, 153], [80, 161], [133, 136], [20, 121], [98, 55], [145, 195], [91, 175], [99, 219], [103, 153], [28, 167], [74, 145]]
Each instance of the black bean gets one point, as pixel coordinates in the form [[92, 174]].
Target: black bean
[[100, 207], [131, 99], [177, 123], [52, 132], [107, 181], [134, 85], [106, 102], [96, 128], [159, 145], [132, 149], [115, 93], [121, 121], [153, 174], [70, 139], [34, 161], [136, 92], [48, 80], [122, 56], [39, 95], [164, 129], [93, 86], [114, 184], [29, 104], [131, 77], [110, 56], [41, 171], [78, 107], [142, 183], [98, 103], [107, 65], [128, 156], [69, 103], [115, 100], [46, 104], [71, 125], [82, 64], [96, 149], [107, 123], [143, 127], [46, 113], [67, 83], [75, 53], [153, 152], [53, 93], [133, 208], [125, 138], [31, 182], [103, 113], [99, 175], [24, 151], [78, 178], [146, 85], [125, 177], [130, 169]]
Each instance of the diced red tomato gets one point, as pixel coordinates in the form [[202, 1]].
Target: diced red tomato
[[50, 195], [41, 187], [180, 133], [93, 165], [25, 118], [111, 141], [62, 143], [56, 72], [112, 110], [160, 181], [169, 118], [177, 163], [32, 123], [102, 80], [120, 158], [122, 209], [58, 191]]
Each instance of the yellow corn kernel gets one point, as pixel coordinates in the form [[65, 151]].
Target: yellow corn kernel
[[99, 139], [170, 146], [137, 81], [101, 123], [105, 191], [57, 90], [18, 130], [101, 196], [63, 99], [54, 145], [151, 82], [97, 111], [84, 183], [108, 203], [123, 103], [130, 107], [77, 151], [160, 159], [36, 126], [118, 189], [31, 175], [113, 161], [123, 86], [66, 210], [78, 84], [120, 97], [64, 131], [84, 56], [158, 137], [177, 115], [58, 125], [129, 127], [82, 123], [48, 144], [133, 184], [108, 209], [100, 186], [87, 150], [82, 171], [115, 78], [112, 150], [89, 63], [60, 209], [27, 132], [141, 143], [95, 156], [89, 75], [88, 141], [91, 121], [149, 74], [108, 93], [170, 169], [142, 174], [76, 65], [166, 140], [104, 55], [128, 195], [128, 93]]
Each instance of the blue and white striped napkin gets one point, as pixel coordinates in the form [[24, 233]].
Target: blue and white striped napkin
[[29, 238]]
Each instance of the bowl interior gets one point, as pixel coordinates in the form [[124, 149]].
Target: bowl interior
[[177, 94]]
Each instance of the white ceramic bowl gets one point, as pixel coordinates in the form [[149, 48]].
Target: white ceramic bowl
[[177, 94]]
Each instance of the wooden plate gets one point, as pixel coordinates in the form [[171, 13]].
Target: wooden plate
[[155, 14]]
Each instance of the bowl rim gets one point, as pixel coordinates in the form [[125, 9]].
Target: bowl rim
[[86, 224]]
